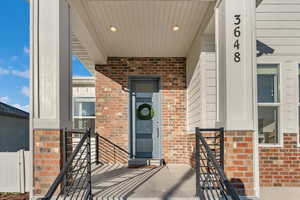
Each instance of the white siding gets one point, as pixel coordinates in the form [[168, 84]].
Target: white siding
[[289, 97], [210, 89], [278, 25], [84, 92], [194, 99], [202, 93]]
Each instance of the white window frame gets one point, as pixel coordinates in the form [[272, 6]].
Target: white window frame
[[81, 116], [275, 104]]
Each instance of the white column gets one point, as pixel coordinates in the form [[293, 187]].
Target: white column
[[51, 73], [236, 61]]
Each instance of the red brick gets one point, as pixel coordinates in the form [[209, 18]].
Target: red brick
[[277, 163]]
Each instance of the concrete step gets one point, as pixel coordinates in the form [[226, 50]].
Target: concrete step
[[140, 162]]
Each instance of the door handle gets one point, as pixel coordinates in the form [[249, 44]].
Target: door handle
[[157, 134]]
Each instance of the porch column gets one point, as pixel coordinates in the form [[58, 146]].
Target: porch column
[[51, 88], [236, 61]]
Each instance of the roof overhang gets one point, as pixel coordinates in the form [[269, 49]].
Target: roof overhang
[[144, 28]]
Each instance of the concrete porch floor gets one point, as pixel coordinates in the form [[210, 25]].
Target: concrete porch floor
[[117, 182], [280, 193]]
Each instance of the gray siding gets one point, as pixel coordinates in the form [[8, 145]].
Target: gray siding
[[14, 134]]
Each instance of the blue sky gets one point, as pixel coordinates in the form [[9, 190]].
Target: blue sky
[[14, 54]]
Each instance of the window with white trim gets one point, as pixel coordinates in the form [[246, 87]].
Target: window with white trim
[[84, 113], [268, 99]]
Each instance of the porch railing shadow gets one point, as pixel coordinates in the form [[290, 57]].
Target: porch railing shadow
[[109, 152], [121, 181]]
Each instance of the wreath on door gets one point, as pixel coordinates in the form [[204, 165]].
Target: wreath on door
[[145, 112]]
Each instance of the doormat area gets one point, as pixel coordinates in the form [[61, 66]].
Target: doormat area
[[13, 196]]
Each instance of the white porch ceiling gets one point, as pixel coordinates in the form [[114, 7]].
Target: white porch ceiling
[[144, 26]]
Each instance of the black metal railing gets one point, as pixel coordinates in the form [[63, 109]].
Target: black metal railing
[[211, 182], [107, 151], [74, 180], [214, 138]]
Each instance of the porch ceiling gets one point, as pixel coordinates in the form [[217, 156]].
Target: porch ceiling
[[144, 27]]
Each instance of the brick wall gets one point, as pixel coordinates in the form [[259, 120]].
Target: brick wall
[[47, 159], [112, 101], [239, 161], [280, 166]]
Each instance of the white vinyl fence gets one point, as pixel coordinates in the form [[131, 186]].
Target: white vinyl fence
[[14, 171]]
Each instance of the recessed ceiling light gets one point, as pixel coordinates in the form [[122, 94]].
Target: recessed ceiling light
[[113, 29], [175, 28]]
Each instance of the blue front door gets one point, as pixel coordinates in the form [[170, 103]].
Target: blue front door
[[145, 116]]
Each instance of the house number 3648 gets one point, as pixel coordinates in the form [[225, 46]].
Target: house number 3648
[[237, 35]]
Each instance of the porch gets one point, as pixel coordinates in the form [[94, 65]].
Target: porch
[[117, 181], [203, 179], [156, 81]]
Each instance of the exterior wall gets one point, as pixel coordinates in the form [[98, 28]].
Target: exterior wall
[[47, 159], [239, 161], [112, 101], [280, 166], [278, 26], [201, 93], [82, 91], [14, 134]]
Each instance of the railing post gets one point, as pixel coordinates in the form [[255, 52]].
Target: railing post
[[97, 149], [89, 169], [199, 192], [222, 147], [65, 152]]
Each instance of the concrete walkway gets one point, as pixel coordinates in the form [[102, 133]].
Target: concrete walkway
[[280, 193], [117, 182]]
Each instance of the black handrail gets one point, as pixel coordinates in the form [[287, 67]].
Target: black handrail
[[211, 181], [70, 183], [111, 152], [217, 140]]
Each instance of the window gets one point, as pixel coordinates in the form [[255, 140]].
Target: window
[[268, 103], [84, 113]]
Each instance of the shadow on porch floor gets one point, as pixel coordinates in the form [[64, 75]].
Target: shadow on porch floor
[[117, 182]]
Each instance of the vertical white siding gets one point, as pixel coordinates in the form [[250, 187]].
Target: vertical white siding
[[289, 97]]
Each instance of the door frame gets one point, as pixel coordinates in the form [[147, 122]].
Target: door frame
[[131, 122]]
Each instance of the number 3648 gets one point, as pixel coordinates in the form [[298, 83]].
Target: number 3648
[[237, 35]]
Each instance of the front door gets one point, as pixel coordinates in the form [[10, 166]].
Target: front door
[[145, 117]]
